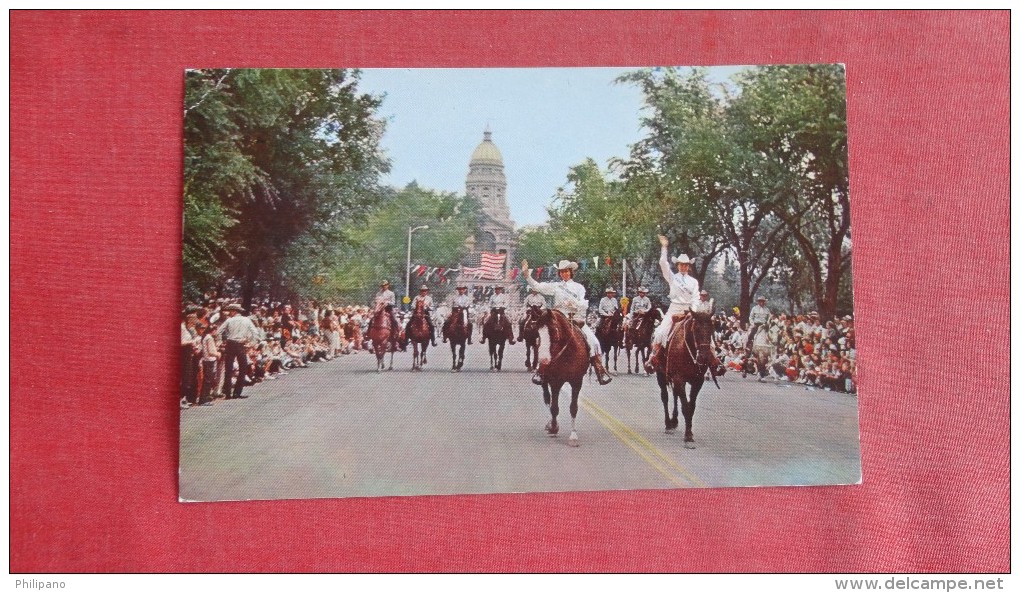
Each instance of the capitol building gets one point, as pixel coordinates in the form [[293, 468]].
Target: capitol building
[[486, 184]]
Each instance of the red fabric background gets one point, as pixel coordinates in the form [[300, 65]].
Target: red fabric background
[[95, 274]]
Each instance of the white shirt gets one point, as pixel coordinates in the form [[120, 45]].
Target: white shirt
[[683, 288], [641, 304], [427, 299], [608, 306], [239, 329], [462, 300], [568, 296], [385, 297], [499, 301], [759, 314]]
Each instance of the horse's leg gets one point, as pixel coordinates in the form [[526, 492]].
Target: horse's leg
[[499, 356], [575, 390], [424, 352], [664, 394], [453, 356], [554, 409], [689, 405]]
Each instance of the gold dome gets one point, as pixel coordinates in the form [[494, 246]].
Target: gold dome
[[487, 151]]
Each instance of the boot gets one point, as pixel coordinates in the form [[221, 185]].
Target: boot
[[433, 335], [652, 364], [600, 371]]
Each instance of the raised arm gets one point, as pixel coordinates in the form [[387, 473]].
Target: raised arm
[[664, 260]]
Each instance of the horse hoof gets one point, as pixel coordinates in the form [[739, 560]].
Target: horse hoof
[[670, 430], [689, 445], [573, 440]]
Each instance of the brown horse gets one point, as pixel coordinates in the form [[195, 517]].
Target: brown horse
[[687, 358], [381, 334], [419, 335], [569, 364], [531, 338], [609, 333], [637, 336], [456, 330], [497, 329]]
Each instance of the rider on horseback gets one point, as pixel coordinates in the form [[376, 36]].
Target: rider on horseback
[[641, 303], [385, 299], [461, 305], [608, 306], [426, 300], [683, 290], [568, 298], [497, 308]]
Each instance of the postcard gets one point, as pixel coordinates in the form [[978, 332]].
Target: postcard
[[471, 281]]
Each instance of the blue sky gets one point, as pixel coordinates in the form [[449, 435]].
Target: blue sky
[[543, 120]]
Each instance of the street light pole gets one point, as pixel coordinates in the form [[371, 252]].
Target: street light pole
[[407, 278]]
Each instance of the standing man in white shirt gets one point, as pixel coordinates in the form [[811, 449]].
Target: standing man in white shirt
[[236, 332], [568, 298], [683, 289]]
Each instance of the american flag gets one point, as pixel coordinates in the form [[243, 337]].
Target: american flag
[[492, 264]]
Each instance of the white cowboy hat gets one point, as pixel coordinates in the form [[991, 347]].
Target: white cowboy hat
[[423, 288], [384, 283], [682, 259], [761, 298], [566, 265], [497, 287], [642, 289], [610, 289], [460, 286], [234, 307]]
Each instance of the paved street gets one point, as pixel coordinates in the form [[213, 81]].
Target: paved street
[[339, 429]]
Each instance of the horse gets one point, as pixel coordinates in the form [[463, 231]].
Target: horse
[[569, 364], [456, 331], [686, 360], [638, 336], [381, 334], [531, 338], [497, 330], [609, 333], [419, 335]]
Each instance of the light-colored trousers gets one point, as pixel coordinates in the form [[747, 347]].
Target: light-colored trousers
[[661, 333]]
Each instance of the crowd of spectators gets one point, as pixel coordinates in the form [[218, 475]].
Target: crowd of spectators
[[286, 339], [799, 349], [794, 348]]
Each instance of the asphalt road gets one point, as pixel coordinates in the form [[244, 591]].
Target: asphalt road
[[340, 429]]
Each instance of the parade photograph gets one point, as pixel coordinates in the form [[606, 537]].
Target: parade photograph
[[469, 281]]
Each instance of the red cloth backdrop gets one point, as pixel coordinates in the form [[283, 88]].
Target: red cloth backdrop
[[95, 286]]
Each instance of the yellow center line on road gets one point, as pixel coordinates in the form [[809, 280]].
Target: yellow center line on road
[[662, 463]]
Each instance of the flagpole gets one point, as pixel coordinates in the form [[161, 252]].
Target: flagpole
[[624, 276], [407, 278]]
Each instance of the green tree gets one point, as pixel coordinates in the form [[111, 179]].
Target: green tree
[[349, 263], [279, 152], [794, 118], [704, 184]]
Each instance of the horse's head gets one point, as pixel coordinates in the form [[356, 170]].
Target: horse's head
[[701, 330], [535, 318]]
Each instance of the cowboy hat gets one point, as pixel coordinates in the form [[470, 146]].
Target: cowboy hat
[[234, 307], [462, 287], [384, 283], [566, 265], [682, 259], [423, 288], [610, 289], [642, 289], [761, 298]]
